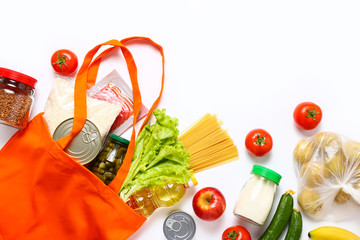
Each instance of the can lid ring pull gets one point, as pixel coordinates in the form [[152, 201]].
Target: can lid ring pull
[[174, 225]]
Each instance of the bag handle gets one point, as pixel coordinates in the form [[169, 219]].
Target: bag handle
[[86, 78], [117, 182], [93, 69], [80, 108]]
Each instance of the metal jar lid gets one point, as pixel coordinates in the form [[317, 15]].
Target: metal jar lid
[[85, 145], [179, 225]]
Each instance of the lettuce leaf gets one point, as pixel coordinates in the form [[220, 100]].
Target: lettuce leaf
[[159, 157]]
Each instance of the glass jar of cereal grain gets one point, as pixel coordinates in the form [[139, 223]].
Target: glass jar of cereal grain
[[16, 97]]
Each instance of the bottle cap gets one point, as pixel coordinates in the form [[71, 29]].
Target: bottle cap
[[192, 183], [179, 226], [85, 145], [266, 173]]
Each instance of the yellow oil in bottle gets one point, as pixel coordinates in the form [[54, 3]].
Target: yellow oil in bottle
[[168, 194], [145, 201], [142, 203]]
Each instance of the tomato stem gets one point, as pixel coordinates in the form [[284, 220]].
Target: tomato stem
[[232, 235], [61, 61], [260, 140], [312, 113]]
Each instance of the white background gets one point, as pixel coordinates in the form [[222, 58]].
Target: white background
[[249, 62]]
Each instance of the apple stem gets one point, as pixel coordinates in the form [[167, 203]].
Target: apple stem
[[209, 198]]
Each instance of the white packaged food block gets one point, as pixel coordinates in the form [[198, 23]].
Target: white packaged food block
[[60, 107]]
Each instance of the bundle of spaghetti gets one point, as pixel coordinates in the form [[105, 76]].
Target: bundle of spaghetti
[[209, 145]]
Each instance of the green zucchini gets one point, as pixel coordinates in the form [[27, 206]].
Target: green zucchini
[[295, 226], [281, 217]]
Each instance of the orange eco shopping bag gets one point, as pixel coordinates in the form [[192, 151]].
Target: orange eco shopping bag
[[45, 194]]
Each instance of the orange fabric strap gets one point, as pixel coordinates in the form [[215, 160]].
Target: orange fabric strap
[[157, 100], [116, 184], [94, 67], [80, 112], [86, 78]]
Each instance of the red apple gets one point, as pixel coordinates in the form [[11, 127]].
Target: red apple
[[209, 204]]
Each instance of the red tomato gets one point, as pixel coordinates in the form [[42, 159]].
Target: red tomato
[[64, 61], [236, 232], [307, 115], [258, 142]]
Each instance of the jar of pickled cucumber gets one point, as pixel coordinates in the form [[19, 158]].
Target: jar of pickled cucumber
[[109, 160]]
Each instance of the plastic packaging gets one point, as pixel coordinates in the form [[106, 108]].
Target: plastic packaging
[[328, 169], [257, 195], [60, 107], [108, 162], [146, 201], [113, 89], [16, 97]]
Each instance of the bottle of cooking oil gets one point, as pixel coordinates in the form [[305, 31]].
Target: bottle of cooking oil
[[146, 201]]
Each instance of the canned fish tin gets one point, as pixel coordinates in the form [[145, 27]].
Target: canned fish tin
[[16, 97], [179, 226], [85, 145]]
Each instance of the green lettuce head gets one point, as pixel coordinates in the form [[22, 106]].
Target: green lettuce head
[[159, 157]]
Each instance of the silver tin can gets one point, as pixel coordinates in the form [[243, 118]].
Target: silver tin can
[[85, 145], [179, 226]]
